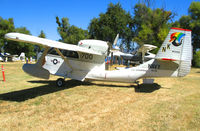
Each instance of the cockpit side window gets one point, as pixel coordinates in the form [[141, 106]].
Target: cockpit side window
[[71, 54], [66, 53]]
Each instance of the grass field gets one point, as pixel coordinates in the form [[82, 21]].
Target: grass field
[[28, 103]]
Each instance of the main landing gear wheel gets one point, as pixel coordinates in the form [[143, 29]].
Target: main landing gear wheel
[[60, 82]]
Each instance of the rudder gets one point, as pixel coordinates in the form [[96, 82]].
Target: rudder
[[177, 48]]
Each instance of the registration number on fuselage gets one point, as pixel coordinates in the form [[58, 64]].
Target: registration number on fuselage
[[86, 56], [154, 66]]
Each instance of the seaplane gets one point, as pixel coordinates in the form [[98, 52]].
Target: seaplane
[[86, 60]]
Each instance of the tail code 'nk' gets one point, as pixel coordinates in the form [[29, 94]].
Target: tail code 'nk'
[[177, 47]]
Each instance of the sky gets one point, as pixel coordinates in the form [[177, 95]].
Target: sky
[[37, 15]]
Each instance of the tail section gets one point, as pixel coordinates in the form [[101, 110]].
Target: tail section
[[177, 48]]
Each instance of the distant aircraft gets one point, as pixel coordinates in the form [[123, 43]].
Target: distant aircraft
[[4, 57], [86, 61], [143, 54], [22, 56], [135, 58], [139, 57], [1, 57]]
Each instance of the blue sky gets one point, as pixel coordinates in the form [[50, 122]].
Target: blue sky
[[37, 15]]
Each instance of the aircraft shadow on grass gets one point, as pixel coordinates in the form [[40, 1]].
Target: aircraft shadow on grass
[[50, 87], [143, 88], [147, 88]]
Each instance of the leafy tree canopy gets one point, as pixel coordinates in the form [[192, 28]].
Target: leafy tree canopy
[[108, 25], [38, 48], [196, 59], [42, 34], [70, 34], [151, 26], [5, 27], [192, 22]]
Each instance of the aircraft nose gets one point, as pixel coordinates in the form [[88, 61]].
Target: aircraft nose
[[36, 71]]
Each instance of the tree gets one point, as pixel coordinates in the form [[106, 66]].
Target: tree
[[194, 13], [150, 26], [42, 34], [108, 25], [14, 47], [192, 22], [38, 48], [6, 26], [70, 34], [196, 59]]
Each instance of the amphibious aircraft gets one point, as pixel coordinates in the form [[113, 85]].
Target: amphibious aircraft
[[86, 61]]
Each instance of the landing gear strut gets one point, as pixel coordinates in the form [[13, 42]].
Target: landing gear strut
[[60, 82], [138, 84]]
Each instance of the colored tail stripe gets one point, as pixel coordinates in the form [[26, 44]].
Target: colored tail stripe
[[168, 59], [180, 36], [172, 37], [181, 29]]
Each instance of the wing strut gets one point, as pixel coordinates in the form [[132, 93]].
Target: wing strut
[[41, 60], [65, 59]]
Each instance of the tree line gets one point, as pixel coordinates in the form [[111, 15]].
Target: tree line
[[141, 25]]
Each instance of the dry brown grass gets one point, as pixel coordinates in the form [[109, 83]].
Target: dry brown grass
[[28, 103]]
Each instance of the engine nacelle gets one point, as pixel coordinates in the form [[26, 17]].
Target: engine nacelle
[[96, 45]]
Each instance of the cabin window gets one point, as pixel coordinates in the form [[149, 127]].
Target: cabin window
[[66, 53], [71, 54], [52, 51]]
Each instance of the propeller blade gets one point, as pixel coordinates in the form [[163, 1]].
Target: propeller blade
[[116, 39]]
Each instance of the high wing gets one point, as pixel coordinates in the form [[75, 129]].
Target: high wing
[[119, 53], [50, 43], [89, 56]]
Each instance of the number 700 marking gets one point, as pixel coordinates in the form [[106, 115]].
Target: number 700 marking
[[86, 56]]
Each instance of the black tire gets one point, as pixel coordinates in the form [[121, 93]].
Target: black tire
[[60, 82]]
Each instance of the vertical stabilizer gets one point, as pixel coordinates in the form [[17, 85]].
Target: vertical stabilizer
[[177, 48]]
